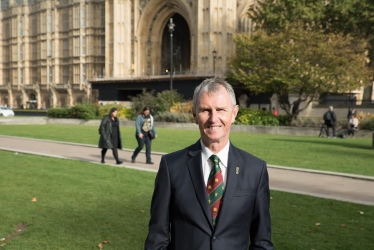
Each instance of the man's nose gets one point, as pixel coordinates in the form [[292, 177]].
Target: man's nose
[[213, 116]]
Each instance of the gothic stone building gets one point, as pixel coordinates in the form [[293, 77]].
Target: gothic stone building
[[55, 53]]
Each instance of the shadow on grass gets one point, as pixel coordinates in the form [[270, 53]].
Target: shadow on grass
[[333, 142]]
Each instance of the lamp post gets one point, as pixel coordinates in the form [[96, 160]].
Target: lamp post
[[171, 30], [214, 61]]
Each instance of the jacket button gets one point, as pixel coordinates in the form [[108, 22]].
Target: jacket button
[[214, 239]]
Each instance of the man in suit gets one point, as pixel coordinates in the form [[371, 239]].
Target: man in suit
[[200, 203]]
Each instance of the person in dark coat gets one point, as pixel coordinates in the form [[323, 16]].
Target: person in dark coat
[[330, 121], [110, 136]]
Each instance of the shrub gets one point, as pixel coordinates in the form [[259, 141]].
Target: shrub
[[122, 111], [248, 116], [125, 113], [173, 117], [283, 120], [58, 113], [166, 99], [83, 111], [181, 107], [367, 124], [145, 99]]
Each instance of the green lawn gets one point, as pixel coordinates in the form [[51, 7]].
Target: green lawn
[[81, 204], [353, 156]]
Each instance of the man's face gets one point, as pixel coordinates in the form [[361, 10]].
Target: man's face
[[214, 115]]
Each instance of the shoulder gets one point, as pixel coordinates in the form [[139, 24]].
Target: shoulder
[[245, 156], [184, 155]]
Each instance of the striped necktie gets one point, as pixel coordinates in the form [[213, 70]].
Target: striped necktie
[[215, 188]]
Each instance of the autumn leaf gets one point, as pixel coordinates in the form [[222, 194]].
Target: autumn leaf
[[342, 225], [271, 198], [318, 224], [34, 199], [142, 211], [100, 245], [361, 212]]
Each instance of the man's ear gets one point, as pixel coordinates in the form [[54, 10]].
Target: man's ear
[[195, 117], [235, 111]]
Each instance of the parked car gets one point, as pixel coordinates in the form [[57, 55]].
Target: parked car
[[4, 111]]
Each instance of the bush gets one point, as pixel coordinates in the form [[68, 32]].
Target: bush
[[166, 99], [181, 107], [58, 113], [283, 120], [248, 116], [145, 99], [367, 124], [173, 117], [123, 112], [84, 111]]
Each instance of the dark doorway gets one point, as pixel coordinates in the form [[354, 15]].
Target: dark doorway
[[181, 46]]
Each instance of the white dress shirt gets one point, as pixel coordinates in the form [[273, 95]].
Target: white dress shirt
[[207, 164]]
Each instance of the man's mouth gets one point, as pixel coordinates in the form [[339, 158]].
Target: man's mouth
[[214, 127]]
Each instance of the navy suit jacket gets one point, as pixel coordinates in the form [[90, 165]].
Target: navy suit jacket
[[180, 214]]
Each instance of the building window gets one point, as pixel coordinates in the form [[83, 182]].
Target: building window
[[102, 16], [102, 45], [44, 50], [65, 22], [83, 72], [34, 51], [65, 74], [20, 28], [21, 52], [65, 48], [49, 49], [83, 45], [34, 75], [34, 26], [76, 41], [20, 76], [83, 17], [50, 74], [49, 22]]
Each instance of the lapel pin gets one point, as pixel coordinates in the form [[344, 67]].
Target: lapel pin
[[237, 170]]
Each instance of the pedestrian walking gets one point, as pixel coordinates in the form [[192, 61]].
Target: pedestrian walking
[[330, 121], [110, 136], [144, 133]]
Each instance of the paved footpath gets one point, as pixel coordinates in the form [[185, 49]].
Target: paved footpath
[[344, 187]]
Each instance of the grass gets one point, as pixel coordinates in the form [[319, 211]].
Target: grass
[[354, 156], [81, 204]]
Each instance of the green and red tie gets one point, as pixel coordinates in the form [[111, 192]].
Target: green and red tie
[[215, 188]]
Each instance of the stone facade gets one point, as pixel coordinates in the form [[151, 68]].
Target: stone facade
[[53, 50]]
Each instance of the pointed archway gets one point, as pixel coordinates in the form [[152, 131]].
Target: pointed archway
[[181, 46]]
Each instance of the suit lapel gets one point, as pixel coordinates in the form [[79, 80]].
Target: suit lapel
[[196, 173], [234, 163]]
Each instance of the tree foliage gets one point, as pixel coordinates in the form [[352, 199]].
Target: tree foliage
[[299, 61], [160, 103], [354, 17]]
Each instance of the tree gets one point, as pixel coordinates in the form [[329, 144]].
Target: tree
[[354, 17], [298, 61]]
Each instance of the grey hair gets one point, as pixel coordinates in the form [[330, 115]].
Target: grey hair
[[331, 108], [211, 85]]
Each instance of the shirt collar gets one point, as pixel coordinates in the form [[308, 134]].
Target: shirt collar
[[223, 155]]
